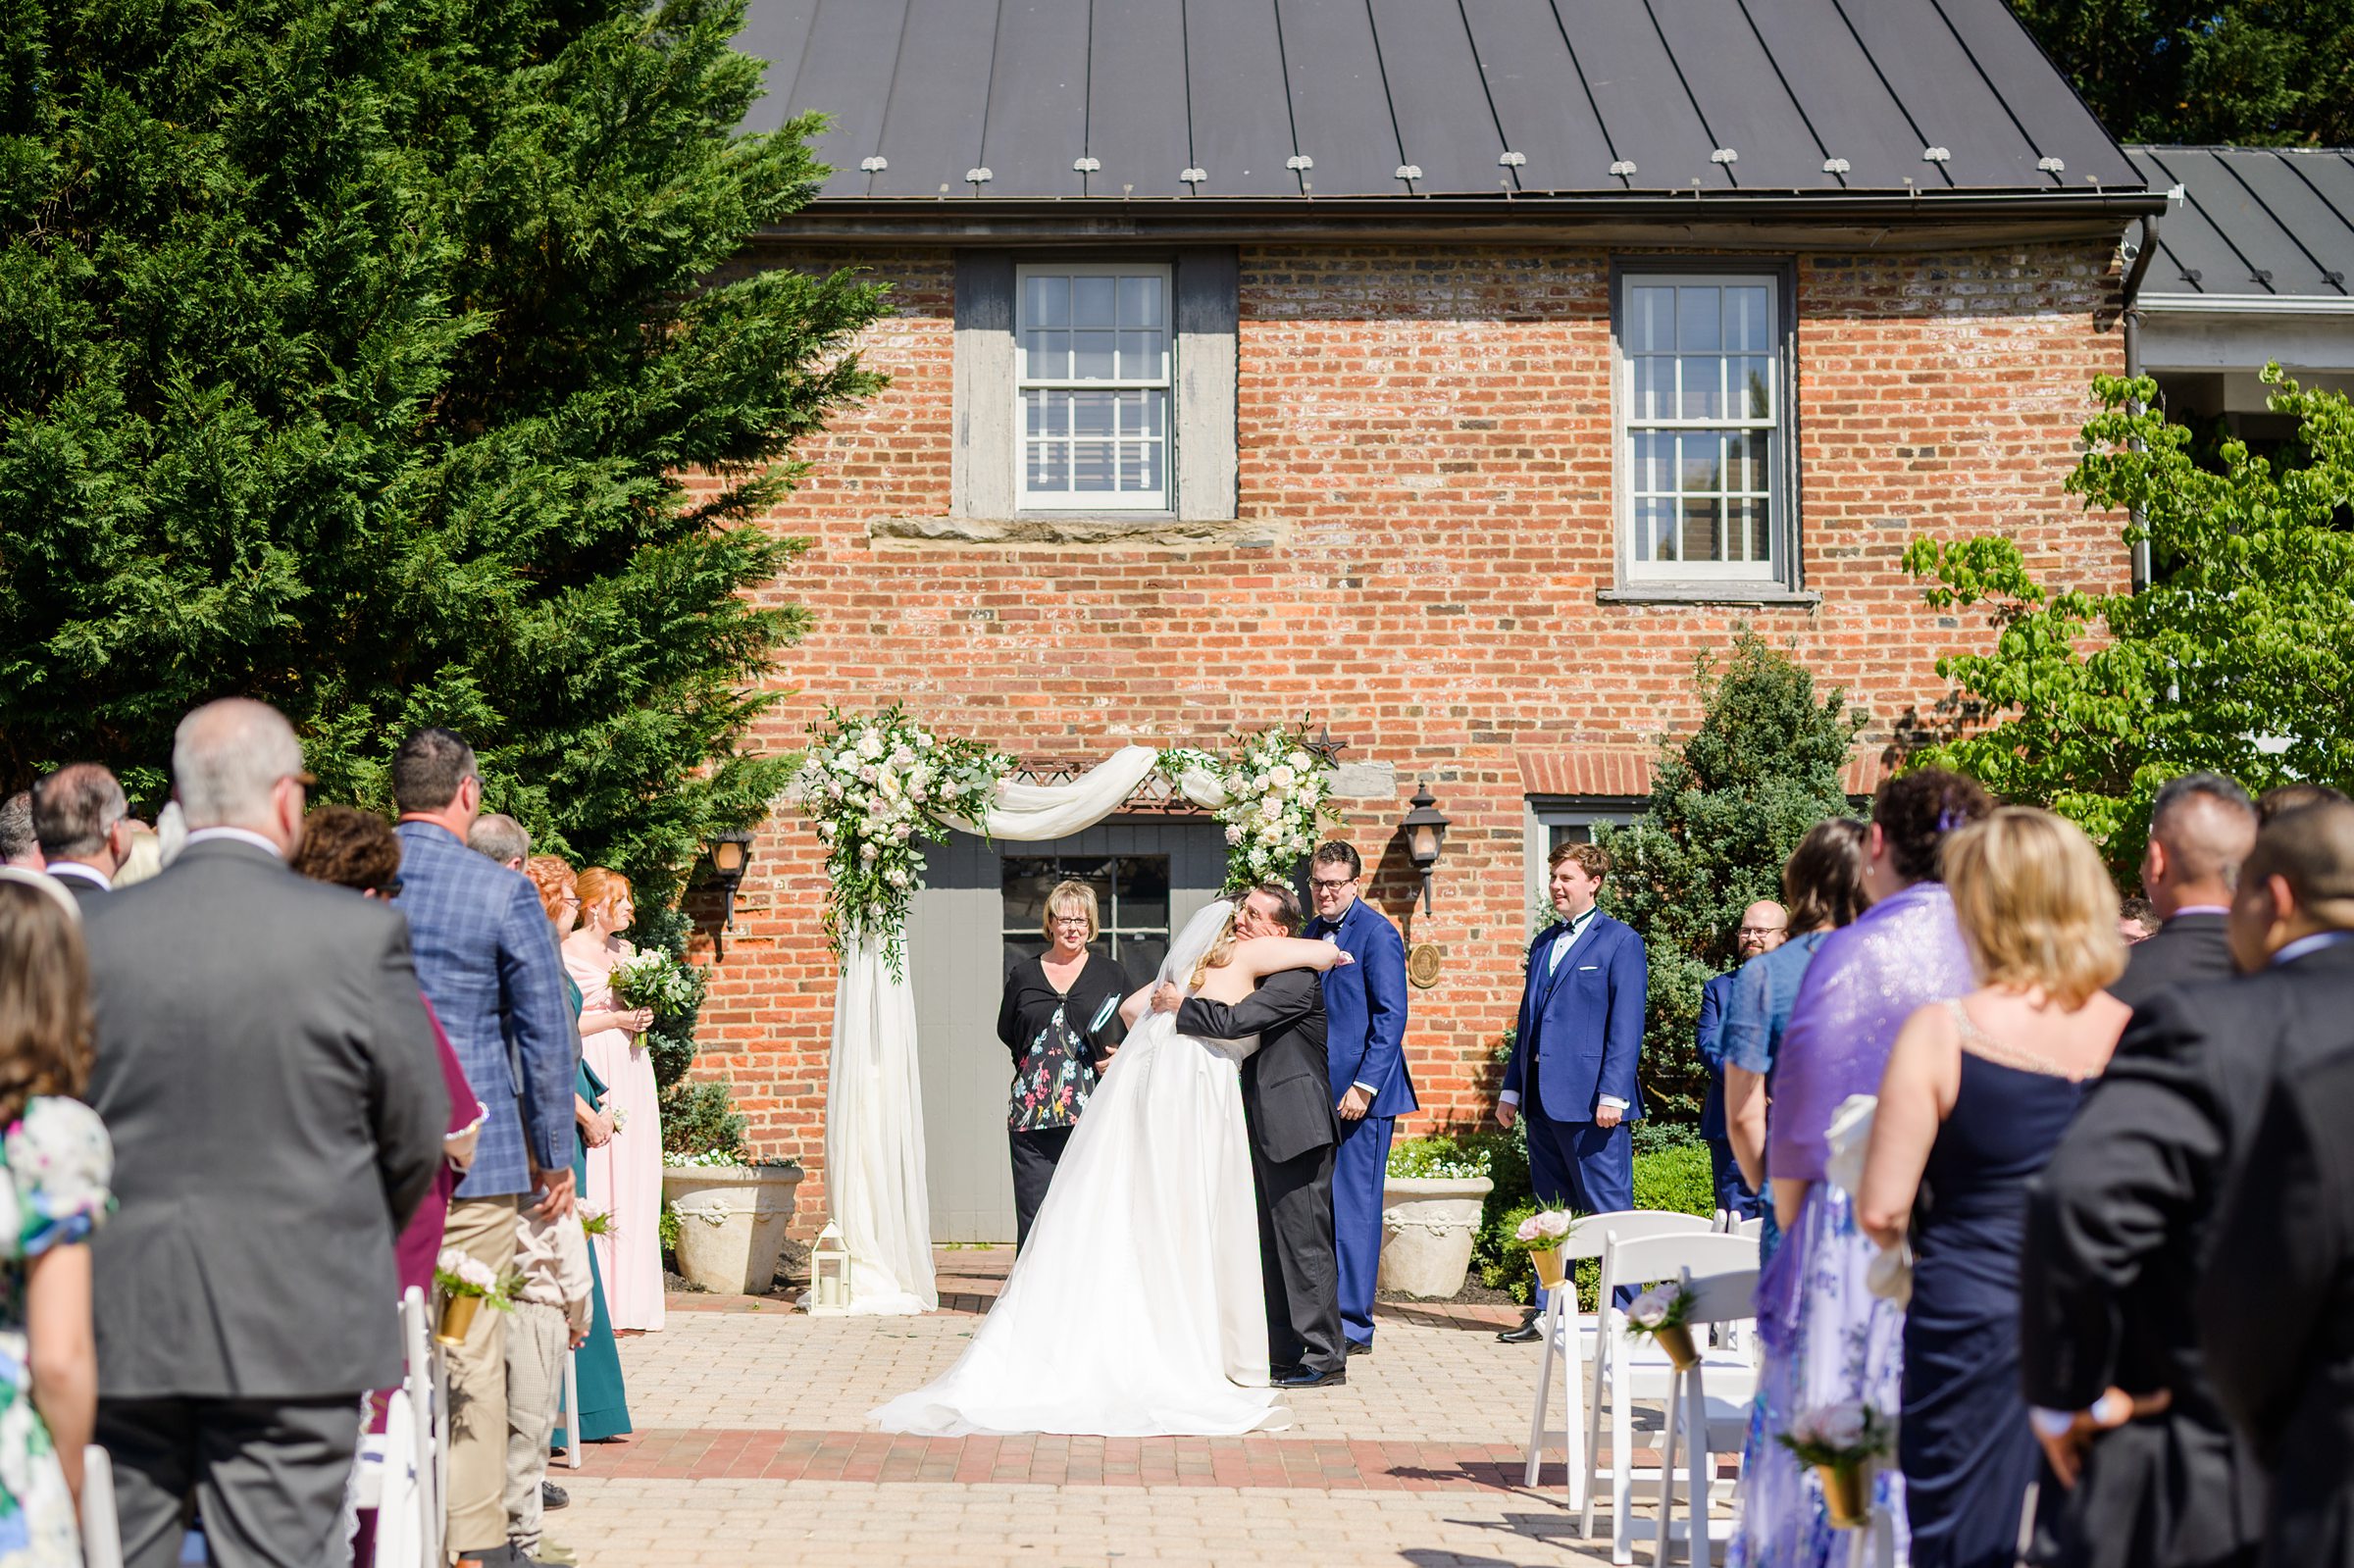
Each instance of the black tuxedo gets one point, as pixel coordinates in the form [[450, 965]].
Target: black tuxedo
[[2187, 949], [2119, 1228], [2276, 1311], [1287, 1100]]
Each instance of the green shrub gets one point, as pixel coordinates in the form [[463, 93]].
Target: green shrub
[[1439, 1155], [1678, 1180], [700, 1118]]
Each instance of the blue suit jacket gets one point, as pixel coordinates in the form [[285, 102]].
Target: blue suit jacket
[[487, 958], [1708, 1037], [1365, 1010], [1583, 1023]]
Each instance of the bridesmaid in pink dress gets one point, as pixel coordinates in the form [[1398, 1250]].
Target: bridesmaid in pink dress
[[624, 1175]]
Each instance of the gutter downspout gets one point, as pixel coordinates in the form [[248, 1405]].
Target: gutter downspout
[[2130, 317]]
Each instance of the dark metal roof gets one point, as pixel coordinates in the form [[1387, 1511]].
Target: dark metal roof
[[2252, 223], [1024, 100]]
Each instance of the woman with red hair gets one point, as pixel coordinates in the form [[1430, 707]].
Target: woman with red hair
[[625, 1175]]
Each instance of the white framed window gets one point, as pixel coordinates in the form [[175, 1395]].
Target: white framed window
[[1546, 822], [1093, 352], [1703, 453]]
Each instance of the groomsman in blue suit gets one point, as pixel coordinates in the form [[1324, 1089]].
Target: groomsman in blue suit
[[1765, 925], [1364, 1007], [1575, 1058]]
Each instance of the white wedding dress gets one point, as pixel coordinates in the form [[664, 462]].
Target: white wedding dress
[[1137, 1309]]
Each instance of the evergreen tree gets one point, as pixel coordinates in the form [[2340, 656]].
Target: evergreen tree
[[354, 356], [1728, 804], [2259, 73]]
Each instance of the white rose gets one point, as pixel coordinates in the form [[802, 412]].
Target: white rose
[[1282, 778], [900, 830], [1840, 1425], [1553, 1221], [824, 831], [1650, 1309], [1299, 761], [901, 757], [1233, 832], [895, 877], [870, 745], [866, 852]]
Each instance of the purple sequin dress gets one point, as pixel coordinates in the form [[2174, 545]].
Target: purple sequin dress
[[1825, 1337]]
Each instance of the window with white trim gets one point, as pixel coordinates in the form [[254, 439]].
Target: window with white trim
[[1092, 375], [1704, 456], [1548, 822]]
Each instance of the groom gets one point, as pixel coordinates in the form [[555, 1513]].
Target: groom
[[1286, 1098]]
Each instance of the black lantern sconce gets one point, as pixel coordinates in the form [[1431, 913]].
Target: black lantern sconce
[[730, 852], [1425, 834]]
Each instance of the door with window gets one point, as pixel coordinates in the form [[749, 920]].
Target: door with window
[[981, 911]]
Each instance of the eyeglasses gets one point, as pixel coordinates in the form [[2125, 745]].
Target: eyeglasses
[[1761, 930], [389, 888], [1326, 884], [1069, 920]]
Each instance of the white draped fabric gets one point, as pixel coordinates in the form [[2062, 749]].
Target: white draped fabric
[[874, 1100]]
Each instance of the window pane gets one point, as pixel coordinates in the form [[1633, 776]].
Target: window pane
[[1141, 957], [1655, 462], [1143, 885], [1148, 476], [1745, 322], [1093, 301], [1701, 375], [1749, 449], [1654, 529], [1750, 538], [1702, 465], [1050, 466], [1091, 467], [1756, 387], [1651, 320], [1091, 355], [1049, 302], [1140, 356], [1091, 412], [1046, 355], [1696, 320], [1700, 530], [1655, 377], [1025, 883], [1139, 301]]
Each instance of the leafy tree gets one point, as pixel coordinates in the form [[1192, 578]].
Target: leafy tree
[[354, 356], [2261, 73], [2238, 657], [1728, 804]]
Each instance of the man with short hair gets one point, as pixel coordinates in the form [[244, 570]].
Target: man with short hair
[[2201, 828], [1364, 1009], [1576, 1051], [500, 837], [275, 1098], [2137, 920], [83, 825], [1765, 925], [487, 960], [2281, 800], [2123, 1223], [20, 846]]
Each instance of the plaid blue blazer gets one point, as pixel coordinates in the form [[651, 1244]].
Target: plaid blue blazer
[[487, 960]]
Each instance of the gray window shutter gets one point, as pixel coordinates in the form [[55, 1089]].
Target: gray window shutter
[[981, 468], [1208, 315]]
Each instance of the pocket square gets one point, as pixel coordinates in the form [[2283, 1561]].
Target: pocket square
[[1588, 969]]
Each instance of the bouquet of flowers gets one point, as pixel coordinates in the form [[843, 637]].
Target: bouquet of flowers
[[1660, 1313], [1275, 796], [1540, 1236], [1842, 1441], [874, 786], [655, 979], [465, 1283]]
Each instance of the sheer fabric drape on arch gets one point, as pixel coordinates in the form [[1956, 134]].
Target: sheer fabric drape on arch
[[874, 1098]]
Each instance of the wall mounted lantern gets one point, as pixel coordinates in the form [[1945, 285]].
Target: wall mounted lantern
[[730, 852], [1425, 830]]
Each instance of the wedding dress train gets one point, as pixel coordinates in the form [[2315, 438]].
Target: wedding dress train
[[1137, 1309]]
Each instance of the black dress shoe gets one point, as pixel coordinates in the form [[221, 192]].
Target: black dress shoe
[[1304, 1378], [552, 1495], [1361, 1347], [1527, 1334]]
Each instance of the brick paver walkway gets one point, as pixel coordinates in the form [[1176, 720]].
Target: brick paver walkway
[[753, 1448]]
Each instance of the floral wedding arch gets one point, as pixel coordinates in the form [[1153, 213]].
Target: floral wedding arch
[[876, 787]]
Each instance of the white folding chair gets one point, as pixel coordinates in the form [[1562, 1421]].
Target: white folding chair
[[573, 1446], [1627, 1368], [425, 1382], [1707, 1428], [101, 1530], [1568, 1333]]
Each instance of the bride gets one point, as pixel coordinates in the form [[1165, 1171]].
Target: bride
[[1137, 1308]]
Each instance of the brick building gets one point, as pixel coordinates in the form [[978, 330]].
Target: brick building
[[1456, 374]]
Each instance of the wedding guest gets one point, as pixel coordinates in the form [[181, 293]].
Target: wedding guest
[[2284, 799], [550, 1316], [1576, 1052], [19, 846], [266, 1070], [1823, 881], [1365, 1012], [142, 859], [1824, 1336], [490, 966], [2124, 1224], [2201, 828], [500, 837], [83, 825], [1765, 925], [1977, 1093], [1060, 1018], [58, 1162], [2137, 921], [625, 1175], [604, 1411]]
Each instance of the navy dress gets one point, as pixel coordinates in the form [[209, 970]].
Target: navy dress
[[1967, 1453]]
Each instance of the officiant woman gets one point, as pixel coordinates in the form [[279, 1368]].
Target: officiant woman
[[1061, 1020]]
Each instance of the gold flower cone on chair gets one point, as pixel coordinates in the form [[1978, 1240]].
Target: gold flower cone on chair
[[1845, 1495], [1676, 1340], [457, 1317], [1549, 1266]]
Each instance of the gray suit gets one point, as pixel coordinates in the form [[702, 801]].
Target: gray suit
[[266, 1072]]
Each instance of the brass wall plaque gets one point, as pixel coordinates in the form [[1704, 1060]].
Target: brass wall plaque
[[1422, 965]]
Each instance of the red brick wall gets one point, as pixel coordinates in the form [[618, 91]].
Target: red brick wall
[[1434, 428]]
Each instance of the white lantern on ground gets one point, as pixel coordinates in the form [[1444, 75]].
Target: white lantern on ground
[[828, 1274]]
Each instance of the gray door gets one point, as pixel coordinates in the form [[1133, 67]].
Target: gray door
[[978, 913]]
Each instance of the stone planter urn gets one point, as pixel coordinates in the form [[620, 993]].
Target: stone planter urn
[[731, 1222], [1428, 1224]]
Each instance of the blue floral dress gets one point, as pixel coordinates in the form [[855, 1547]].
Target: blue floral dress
[[59, 1162]]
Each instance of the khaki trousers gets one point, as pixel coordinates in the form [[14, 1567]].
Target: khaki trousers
[[536, 1339], [484, 1229]]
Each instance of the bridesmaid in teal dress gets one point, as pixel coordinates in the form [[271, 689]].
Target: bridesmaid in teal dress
[[605, 1401]]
